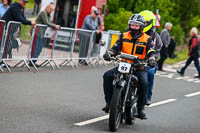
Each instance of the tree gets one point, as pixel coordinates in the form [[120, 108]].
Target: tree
[[118, 21], [183, 14]]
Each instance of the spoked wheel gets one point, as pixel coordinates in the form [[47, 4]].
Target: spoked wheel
[[115, 110]]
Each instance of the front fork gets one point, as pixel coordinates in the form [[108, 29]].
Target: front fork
[[122, 83]]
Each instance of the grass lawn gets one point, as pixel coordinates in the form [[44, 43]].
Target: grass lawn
[[181, 55], [29, 5], [25, 32]]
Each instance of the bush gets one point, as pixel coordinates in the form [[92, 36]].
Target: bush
[[178, 33], [118, 21]]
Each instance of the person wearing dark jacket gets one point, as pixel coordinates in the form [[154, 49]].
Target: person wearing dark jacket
[[171, 48], [165, 37], [193, 52], [134, 42], [16, 13]]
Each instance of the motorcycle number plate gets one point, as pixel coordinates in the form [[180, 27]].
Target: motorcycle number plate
[[124, 67]]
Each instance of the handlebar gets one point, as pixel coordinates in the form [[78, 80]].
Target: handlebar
[[125, 56]]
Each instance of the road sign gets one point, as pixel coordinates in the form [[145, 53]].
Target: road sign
[[158, 24]]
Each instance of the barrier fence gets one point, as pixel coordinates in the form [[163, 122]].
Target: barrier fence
[[2, 30], [54, 48]]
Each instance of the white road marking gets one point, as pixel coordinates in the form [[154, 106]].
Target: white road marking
[[92, 120], [192, 94], [176, 66], [189, 80], [186, 77], [171, 75], [169, 70], [197, 81], [165, 76], [107, 116], [169, 66], [161, 72], [179, 78], [162, 102]]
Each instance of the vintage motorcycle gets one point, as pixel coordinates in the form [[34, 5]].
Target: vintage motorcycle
[[124, 100]]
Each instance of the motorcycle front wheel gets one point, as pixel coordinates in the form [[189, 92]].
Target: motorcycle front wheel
[[115, 110]]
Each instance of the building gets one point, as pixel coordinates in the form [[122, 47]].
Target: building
[[71, 13]]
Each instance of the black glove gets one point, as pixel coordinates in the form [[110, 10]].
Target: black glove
[[107, 55], [152, 62]]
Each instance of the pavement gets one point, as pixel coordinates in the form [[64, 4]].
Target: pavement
[[70, 101]]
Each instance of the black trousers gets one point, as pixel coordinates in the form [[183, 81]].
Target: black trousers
[[163, 57], [189, 61], [108, 78]]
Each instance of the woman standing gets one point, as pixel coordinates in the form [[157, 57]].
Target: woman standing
[[4, 7]]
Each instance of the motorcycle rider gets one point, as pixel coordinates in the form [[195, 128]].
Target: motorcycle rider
[[150, 30], [137, 43]]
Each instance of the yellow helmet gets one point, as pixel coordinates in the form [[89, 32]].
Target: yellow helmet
[[150, 19]]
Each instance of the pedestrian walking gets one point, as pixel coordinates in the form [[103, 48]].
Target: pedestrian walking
[[194, 48]]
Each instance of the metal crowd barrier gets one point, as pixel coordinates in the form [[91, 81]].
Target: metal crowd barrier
[[2, 30], [40, 47], [110, 37], [82, 47], [13, 50], [63, 47], [73, 46]]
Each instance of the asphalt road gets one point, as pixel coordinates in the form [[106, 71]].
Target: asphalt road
[[57, 101]]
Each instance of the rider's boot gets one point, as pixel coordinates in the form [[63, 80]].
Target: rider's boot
[[106, 109], [141, 114]]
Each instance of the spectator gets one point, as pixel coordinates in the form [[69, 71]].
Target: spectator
[[171, 48], [36, 7], [15, 13], [90, 23], [193, 52], [97, 37], [165, 37], [100, 23], [4, 7], [43, 18]]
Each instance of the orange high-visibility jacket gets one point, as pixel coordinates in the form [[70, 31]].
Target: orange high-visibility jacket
[[139, 48]]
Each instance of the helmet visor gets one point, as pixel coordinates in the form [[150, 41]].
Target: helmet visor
[[135, 22]]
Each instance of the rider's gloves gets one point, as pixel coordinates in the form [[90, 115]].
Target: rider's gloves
[[152, 62], [107, 55]]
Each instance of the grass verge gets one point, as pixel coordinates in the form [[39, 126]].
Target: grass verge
[[25, 32], [181, 55], [29, 5]]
